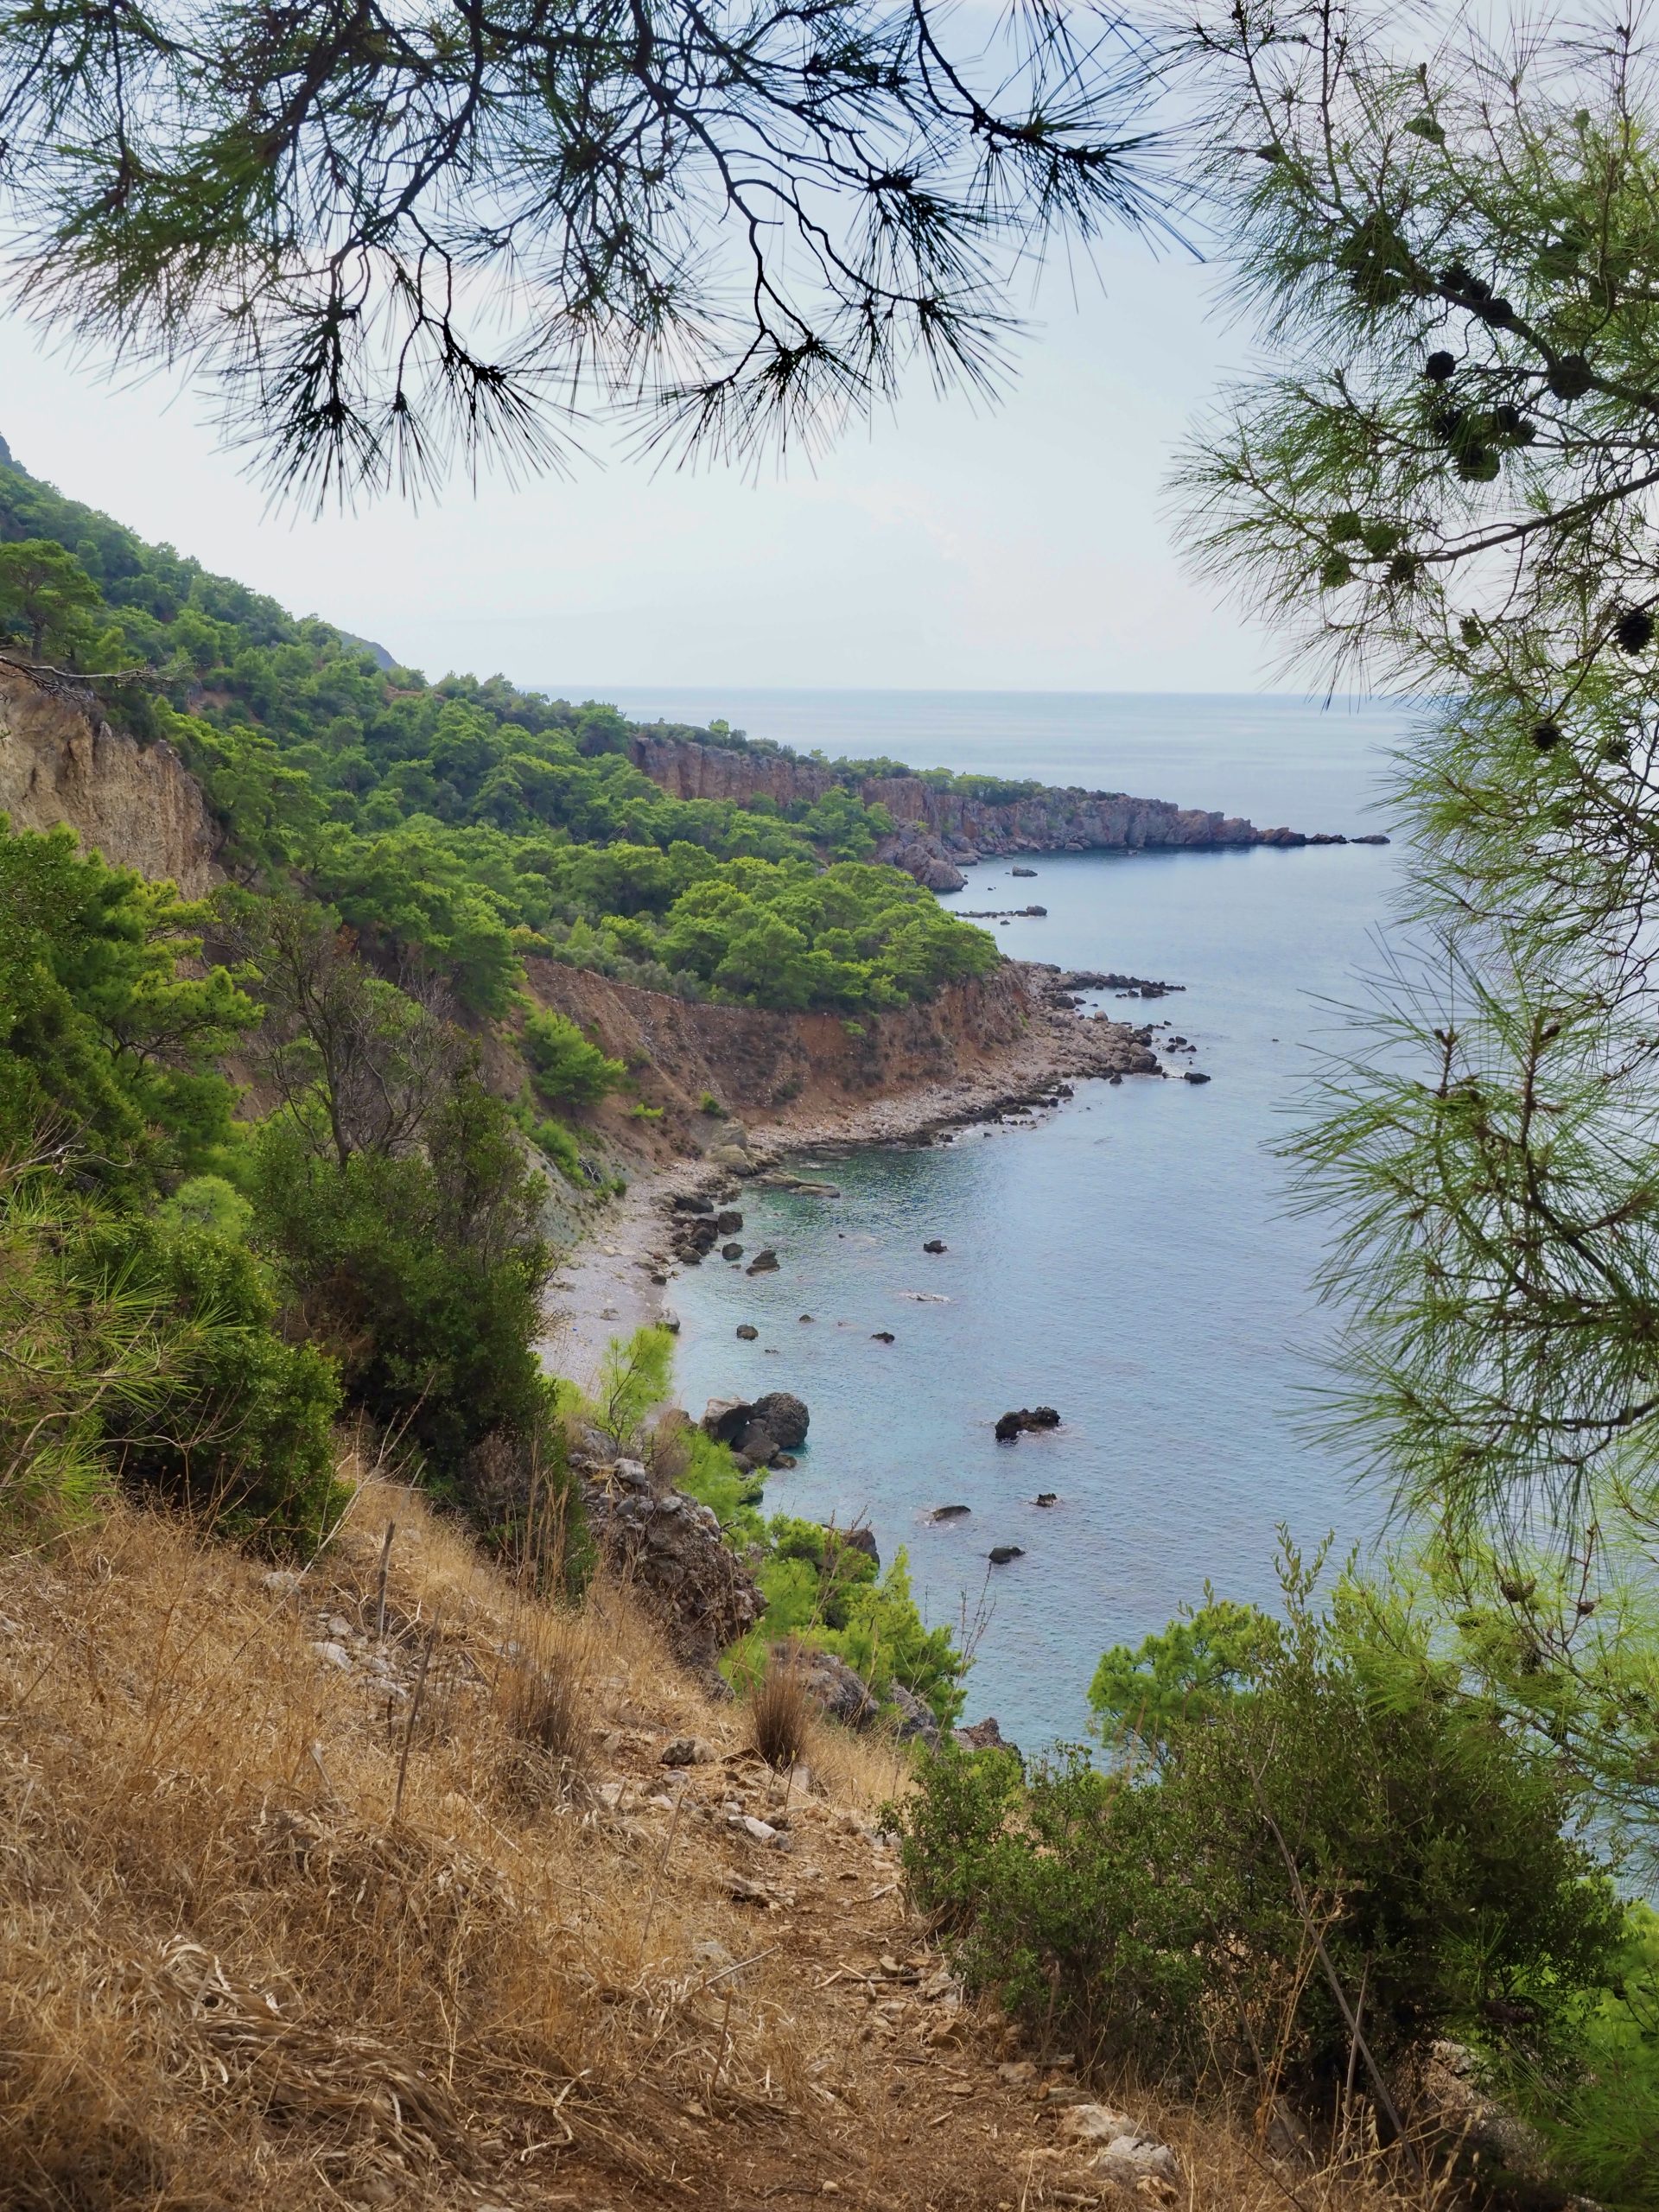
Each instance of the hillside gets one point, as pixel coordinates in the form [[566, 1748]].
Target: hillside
[[302, 1913]]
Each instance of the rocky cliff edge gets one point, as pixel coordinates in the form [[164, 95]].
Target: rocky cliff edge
[[137, 804]]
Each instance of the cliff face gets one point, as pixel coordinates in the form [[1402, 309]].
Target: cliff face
[[769, 1065], [137, 804], [937, 829]]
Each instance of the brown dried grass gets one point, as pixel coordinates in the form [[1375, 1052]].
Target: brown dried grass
[[232, 1982], [780, 1712]]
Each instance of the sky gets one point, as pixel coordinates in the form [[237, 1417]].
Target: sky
[[1023, 548]]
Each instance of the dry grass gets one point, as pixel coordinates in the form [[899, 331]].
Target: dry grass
[[236, 1976], [780, 1713]]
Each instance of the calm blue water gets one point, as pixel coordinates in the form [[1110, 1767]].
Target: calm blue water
[[1131, 1260]]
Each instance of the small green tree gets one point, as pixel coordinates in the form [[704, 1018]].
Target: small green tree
[[47, 597], [570, 1071]]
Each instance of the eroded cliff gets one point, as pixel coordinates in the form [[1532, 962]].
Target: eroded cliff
[[137, 804]]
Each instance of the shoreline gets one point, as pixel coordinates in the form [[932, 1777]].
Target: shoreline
[[618, 1276]]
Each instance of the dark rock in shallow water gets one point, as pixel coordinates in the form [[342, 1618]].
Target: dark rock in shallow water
[[732, 1251], [747, 1331], [806, 1317], [1193, 1075], [785, 1415], [1009, 1425], [728, 1223], [934, 1245], [1046, 1498], [950, 1512], [882, 1336], [1000, 1555], [1022, 871], [763, 1263]]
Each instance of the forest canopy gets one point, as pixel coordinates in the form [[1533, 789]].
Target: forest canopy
[[464, 823]]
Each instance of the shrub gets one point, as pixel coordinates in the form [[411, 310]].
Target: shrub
[[1600, 2113], [245, 1433], [1165, 1913], [423, 1272], [570, 1072]]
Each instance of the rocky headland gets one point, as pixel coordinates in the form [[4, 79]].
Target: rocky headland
[[940, 829]]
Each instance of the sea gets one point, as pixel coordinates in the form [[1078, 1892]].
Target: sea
[[1137, 1258]]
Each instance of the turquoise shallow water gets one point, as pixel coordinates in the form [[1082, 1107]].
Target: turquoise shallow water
[[1132, 1260]]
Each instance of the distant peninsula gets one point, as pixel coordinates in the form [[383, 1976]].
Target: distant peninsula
[[944, 822]]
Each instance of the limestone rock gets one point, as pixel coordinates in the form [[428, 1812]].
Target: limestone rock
[[687, 1751], [671, 1549], [831, 1684], [917, 1724]]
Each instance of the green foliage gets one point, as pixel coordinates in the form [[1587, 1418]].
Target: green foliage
[[570, 1071], [108, 1039], [635, 1376], [141, 1351], [653, 188], [1190, 1671], [244, 1436], [1437, 479], [47, 600], [422, 1271], [887, 1641], [1165, 1913], [1599, 2113], [209, 1204], [712, 1475], [826, 1593]]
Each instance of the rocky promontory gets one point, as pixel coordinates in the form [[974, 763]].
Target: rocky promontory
[[941, 827]]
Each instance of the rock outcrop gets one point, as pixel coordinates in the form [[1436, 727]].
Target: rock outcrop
[[938, 830], [137, 804], [669, 1548]]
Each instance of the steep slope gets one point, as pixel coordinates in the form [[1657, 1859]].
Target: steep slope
[[312, 1902], [137, 804]]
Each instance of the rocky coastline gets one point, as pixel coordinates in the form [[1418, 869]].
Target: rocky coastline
[[617, 1279], [940, 829]]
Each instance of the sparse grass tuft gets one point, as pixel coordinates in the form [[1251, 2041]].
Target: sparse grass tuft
[[780, 1712], [544, 1698]]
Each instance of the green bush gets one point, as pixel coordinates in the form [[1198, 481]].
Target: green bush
[[422, 1272], [1600, 2113], [1162, 1912], [245, 1433], [110, 1028], [570, 1071]]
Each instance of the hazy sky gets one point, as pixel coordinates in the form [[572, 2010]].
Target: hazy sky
[[1026, 548]]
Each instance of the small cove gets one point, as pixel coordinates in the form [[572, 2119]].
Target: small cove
[[1132, 1259]]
